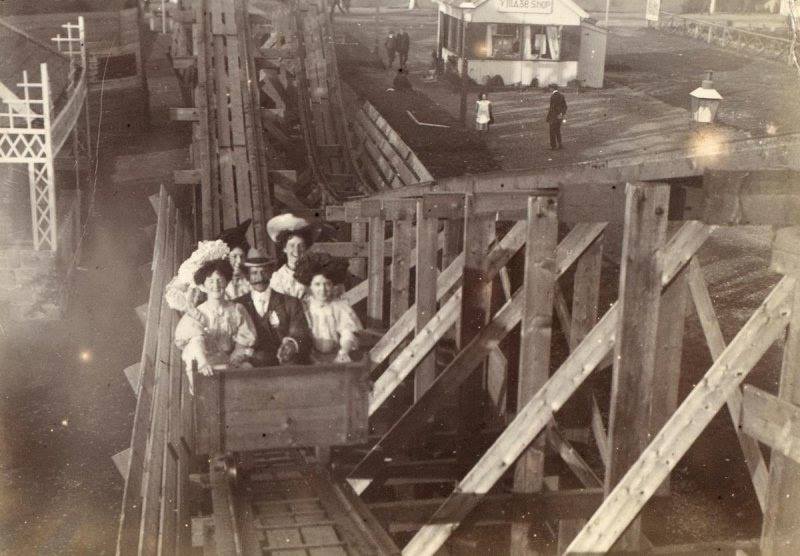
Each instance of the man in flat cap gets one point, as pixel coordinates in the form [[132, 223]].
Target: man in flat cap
[[282, 333]]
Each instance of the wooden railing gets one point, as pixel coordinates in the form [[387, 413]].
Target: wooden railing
[[750, 42], [154, 517]]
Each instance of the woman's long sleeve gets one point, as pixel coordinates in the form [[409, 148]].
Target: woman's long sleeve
[[189, 339], [347, 324]]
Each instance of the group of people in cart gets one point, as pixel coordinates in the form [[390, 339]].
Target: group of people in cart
[[242, 307]]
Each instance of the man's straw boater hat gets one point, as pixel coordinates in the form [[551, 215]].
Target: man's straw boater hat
[[257, 258]]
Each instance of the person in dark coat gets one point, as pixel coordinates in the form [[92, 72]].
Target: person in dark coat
[[391, 47], [403, 46], [555, 116], [282, 332]]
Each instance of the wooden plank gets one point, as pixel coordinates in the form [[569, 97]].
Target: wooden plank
[[673, 441], [226, 538], [122, 461], [497, 386], [358, 233], [130, 515], [753, 457], [208, 438], [635, 347], [376, 271], [535, 336], [346, 249], [529, 422], [599, 432], [235, 83], [244, 200], [572, 458], [227, 190], [776, 423], [154, 459], [426, 279], [476, 299], [669, 348], [781, 533], [586, 292], [221, 92], [402, 240]]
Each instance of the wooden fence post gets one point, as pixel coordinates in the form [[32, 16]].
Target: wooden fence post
[[635, 346], [781, 531], [358, 233], [476, 300], [425, 287], [535, 334]]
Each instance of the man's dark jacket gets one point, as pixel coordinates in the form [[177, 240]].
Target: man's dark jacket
[[284, 318], [403, 42], [558, 107]]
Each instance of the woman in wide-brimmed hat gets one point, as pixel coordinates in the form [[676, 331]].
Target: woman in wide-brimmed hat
[[333, 322], [293, 236], [217, 331]]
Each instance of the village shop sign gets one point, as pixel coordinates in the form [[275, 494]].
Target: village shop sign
[[525, 6]]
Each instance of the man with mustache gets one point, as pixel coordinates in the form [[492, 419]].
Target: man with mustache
[[282, 333]]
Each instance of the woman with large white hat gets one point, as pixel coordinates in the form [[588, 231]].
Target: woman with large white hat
[[293, 236]]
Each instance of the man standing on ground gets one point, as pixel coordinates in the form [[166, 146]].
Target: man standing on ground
[[391, 48], [555, 116], [403, 45]]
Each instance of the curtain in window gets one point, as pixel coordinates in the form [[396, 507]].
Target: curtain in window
[[554, 40]]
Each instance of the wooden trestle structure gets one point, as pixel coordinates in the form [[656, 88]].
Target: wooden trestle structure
[[461, 290]]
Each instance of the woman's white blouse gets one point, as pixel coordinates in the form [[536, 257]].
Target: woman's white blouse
[[332, 323], [283, 281], [209, 335]]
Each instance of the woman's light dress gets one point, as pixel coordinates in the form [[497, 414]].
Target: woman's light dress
[[210, 335], [283, 281], [482, 114], [332, 324]]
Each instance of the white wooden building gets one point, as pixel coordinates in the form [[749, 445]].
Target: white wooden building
[[551, 41]]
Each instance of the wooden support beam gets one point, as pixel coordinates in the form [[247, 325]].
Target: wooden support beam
[[346, 249], [585, 299], [785, 254], [376, 272], [781, 531], [673, 441], [402, 244], [669, 348], [184, 114], [635, 346], [476, 299], [774, 422], [753, 457], [533, 417], [535, 336], [567, 253], [425, 288]]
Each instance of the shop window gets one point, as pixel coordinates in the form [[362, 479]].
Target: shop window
[[546, 42], [505, 40]]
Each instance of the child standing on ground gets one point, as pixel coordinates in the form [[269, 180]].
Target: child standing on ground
[[483, 113]]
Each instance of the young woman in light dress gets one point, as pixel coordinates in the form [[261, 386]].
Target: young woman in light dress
[[217, 331], [293, 236], [334, 325]]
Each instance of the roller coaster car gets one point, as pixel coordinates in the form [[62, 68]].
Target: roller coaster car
[[292, 406]]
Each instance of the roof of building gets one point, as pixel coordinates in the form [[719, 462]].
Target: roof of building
[[473, 4], [24, 52]]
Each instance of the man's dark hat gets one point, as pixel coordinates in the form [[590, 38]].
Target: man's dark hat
[[257, 258], [236, 237]]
